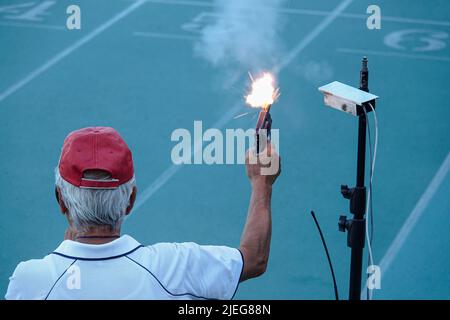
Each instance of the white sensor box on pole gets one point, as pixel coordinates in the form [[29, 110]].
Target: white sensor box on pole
[[346, 98]]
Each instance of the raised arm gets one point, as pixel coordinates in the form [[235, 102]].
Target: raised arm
[[255, 240]]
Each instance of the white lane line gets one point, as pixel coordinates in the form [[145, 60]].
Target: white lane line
[[169, 172], [412, 219], [394, 54], [415, 215], [309, 12], [171, 36], [77, 44], [31, 25]]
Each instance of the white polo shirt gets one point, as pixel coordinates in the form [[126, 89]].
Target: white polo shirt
[[125, 269]]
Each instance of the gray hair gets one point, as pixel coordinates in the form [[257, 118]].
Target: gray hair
[[95, 207]]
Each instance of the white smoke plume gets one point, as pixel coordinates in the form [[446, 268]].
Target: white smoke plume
[[243, 34]]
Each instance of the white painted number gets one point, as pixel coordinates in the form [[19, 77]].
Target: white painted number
[[374, 279], [15, 8], [34, 12], [374, 20], [417, 40], [74, 20]]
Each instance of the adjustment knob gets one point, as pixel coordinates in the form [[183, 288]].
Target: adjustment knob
[[342, 224], [345, 191]]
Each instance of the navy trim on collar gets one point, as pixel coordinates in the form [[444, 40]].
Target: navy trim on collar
[[110, 250], [98, 259]]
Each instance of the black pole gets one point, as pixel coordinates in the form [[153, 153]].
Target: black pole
[[356, 227], [357, 231]]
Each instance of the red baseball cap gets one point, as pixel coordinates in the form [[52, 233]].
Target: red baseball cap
[[96, 148]]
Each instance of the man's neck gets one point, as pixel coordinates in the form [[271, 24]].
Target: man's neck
[[96, 235]]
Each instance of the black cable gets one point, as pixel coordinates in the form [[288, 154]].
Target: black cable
[[328, 255]]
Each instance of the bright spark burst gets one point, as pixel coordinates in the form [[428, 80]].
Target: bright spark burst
[[263, 92]]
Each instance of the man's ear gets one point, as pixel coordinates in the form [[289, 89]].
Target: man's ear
[[132, 200], [62, 205]]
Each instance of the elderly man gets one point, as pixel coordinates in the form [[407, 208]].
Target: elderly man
[[95, 190]]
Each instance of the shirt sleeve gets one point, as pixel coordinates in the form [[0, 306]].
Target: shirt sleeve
[[23, 285], [204, 272], [13, 292], [32, 279]]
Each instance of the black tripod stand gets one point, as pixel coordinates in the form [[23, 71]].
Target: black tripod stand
[[356, 227]]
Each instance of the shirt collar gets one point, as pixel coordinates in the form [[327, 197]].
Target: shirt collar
[[82, 251]]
